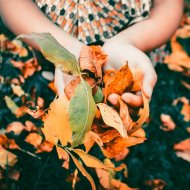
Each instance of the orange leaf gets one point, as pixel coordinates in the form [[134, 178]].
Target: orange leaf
[[143, 113], [122, 82], [124, 114], [118, 185], [183, 145], [34, 138], [90, 139]]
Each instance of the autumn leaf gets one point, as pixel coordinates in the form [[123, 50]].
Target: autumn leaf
[[121, 186], [56, 122], [8, 143], [16, 127], [63, 155], [54, 52], [183, 149], [17, 90], [124, 115], [122, 82], [7, 158], [112, 118], [34, 139], [167, 122], [82, 110], [156, 184], [89, 160], [143, 115], [90, 139], [91, 59], [83, 171]]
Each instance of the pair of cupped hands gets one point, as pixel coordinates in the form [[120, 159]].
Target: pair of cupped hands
[[118, 53]]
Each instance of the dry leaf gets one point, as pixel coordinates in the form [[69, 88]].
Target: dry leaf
[[124, 115], [45, 147], [167, 122], [122, 82], [112, 118], [16, 127], [90, 139], [143, 115], [8, 143], [122, 155], [17, 90], [185, 155], [63, 155], [34, 138], [186, 111], [118, 185], [7, 158], [56, 124], [183, 145], [156, 184]]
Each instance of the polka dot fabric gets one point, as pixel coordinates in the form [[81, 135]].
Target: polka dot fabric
[[93, 20]]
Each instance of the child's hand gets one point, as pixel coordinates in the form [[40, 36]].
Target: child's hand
[[118, 54]]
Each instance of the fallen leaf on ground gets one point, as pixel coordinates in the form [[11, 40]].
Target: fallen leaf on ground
[[167, 122], [156, 184], [16, 127], [34, 138], [7, 158]]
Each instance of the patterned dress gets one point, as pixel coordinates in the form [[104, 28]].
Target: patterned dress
[[93, 20]]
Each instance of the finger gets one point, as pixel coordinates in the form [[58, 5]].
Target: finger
[[59, 82], [113, 99], [149, 82], [132, 100]]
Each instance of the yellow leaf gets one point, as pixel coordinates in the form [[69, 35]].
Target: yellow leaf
[[56, 124], [83, 171], [112, 118], [89, 160]]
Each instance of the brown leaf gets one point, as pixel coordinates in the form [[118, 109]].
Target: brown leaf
[[70, 88], [29, 126], [167, 122], [91, 59], [186, 111], [34, 138], [36, 113], [122, 82], [112, 118]]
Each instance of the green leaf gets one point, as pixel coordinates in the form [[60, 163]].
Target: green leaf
[[11, 105], [89, 160], [82, 110], [98, 97], [54, 52], [83, 171]]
